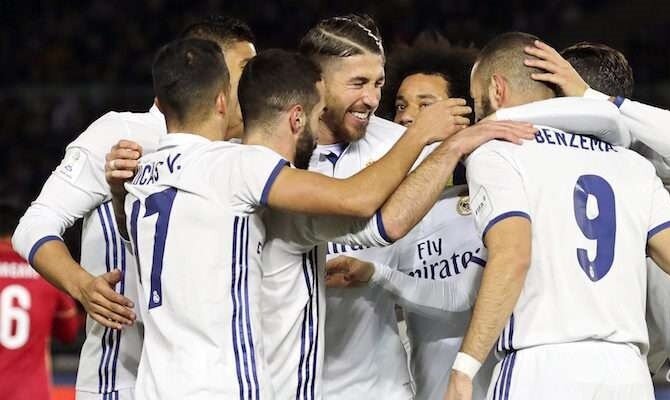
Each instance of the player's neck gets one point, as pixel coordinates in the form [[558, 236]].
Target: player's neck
[[276, 141], [208, 129], [327, 136]]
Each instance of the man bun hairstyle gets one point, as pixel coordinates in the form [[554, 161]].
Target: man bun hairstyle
[[342, 36]]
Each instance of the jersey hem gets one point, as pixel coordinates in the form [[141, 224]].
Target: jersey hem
[[380, 227], [271, 179], [39, 244], [503, 216], [658, 229]]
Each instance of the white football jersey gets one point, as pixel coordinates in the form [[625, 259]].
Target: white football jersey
[[364, 355], [193, 213], [77, 189], [444, 246], [294, 297], [593, 207]]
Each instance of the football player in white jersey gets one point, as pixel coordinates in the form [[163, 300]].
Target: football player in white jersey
[[591, 70], [569, 314], [442, 264], [364, 355], [428, 72], [274, 120], [104, 282], [292, 292]]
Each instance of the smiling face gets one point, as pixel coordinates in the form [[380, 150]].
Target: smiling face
[[416, 92], [353, 91], [237, 55]]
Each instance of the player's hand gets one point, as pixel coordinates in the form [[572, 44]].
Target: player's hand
[[467, 140], [343, 271], [558, 69], [441, 120], [103, 303], [121, 163], [460, 387]]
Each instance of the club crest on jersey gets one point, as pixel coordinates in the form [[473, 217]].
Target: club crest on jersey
[[463, 206]]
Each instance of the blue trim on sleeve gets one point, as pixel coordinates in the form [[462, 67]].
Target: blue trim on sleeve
[[479, 261], [39, 244], [266, 189], [618, 101], [658, 229], [381, 228], [504, 216]]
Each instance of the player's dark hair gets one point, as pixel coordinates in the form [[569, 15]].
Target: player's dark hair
[[188, 75], [504, 54], [343, 36], [9, 218], [429, 55], [274, 81], [603, 68], [220, 29]]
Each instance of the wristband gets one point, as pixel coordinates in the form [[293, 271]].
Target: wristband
[[466, 364]]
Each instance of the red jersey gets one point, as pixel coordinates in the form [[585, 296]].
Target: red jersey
[[30, 309]]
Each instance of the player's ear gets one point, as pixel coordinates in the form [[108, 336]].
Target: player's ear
[[297, 119], [158, 104], [498, 91], [221, 105]]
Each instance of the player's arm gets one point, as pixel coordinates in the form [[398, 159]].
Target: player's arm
[[75, 188], [581, 115], [658, 236], [646, 123], [416, 194], [66, 319], [501, 215], [364, 193], [419, 192], [426, 296]]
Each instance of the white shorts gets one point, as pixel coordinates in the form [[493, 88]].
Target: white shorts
[[123, 394], [592, 370]]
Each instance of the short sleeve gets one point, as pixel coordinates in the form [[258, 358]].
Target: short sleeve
[[496, 189], [348, 230], [659, 217], [255, 172]]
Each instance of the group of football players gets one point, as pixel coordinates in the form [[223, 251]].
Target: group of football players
[[252, 234]]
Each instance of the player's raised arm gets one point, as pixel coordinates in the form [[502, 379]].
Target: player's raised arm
[[646, 123], [364, 193], [419, 192], [586, 115]]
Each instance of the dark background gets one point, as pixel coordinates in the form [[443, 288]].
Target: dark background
[[66, 63]]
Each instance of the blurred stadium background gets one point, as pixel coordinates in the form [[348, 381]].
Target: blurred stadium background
[[66, 63]]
